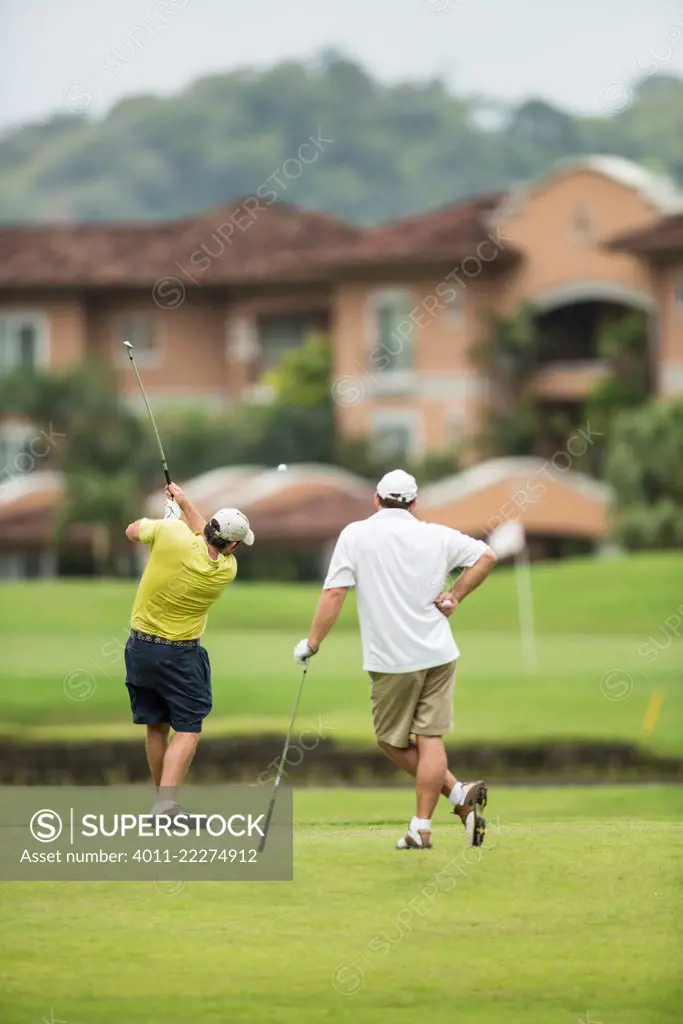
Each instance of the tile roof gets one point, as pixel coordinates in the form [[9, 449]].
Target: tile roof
[[233, 244], [313, 503], [308, 503], [276, 241], [665, 235], [450, 232]]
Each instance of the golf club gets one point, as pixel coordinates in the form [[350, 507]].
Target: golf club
[[271, 806], [129, 349]]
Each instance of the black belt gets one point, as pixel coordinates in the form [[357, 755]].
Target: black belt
[[150, 638]]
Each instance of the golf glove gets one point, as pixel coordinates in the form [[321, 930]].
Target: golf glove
[[171, 509], [302, 652]]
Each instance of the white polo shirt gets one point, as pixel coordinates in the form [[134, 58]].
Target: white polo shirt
[[398, 565]]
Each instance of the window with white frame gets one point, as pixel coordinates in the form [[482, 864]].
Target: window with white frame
[[678, 293], [242, 340], [15, 453], [392, 349], [141, 330], [396, 435], [23, 340]]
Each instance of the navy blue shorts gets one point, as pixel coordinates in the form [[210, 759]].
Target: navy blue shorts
[[168, 684]]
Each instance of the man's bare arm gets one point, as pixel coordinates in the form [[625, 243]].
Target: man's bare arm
[[468, 581], [326, 614], [194, 518], [133, 531]]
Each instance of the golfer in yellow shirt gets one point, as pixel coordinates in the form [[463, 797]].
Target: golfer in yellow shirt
[[168, 674]]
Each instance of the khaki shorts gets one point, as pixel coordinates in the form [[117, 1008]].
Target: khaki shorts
[[419, 703]]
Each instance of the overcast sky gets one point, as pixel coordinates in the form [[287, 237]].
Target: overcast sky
[[57, 53]]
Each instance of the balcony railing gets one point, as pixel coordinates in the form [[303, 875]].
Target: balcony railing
[[571, 379]]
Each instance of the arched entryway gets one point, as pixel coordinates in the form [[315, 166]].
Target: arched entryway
[[590, 336]]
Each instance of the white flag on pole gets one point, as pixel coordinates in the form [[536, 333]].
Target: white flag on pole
[[507, 539]]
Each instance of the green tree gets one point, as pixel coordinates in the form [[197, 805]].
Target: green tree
[[106, 502], [99, 449], [298, 425], [303, 375], [645, 468], [540, 123], [48, 400], [623, 346], [508, 357], [357, 455], [295, 425], [397, 148]]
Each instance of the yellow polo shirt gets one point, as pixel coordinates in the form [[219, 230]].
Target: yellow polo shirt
[[180, 582]]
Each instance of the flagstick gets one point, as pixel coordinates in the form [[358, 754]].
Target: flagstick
[[525, 605]]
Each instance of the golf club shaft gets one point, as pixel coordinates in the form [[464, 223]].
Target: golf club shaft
[[271, 806], [129, 348]]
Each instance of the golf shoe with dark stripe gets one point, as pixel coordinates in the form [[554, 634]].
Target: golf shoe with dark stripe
[[469, 812]]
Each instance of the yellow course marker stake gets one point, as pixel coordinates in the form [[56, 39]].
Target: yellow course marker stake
[[653, 709]]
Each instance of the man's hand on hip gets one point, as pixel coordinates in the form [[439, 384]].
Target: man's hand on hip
[[302, 652], [446, 603]]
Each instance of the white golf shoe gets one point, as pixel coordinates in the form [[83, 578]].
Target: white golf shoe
[[414, 840]]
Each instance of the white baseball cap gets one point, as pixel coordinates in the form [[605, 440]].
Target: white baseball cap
[[231, 524], [398, 485]]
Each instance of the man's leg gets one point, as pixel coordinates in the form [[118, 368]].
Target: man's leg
[[187, 691], [177, 761], [426, 760], [395, 698], [407, 757], [434, 718], [149, 707], [465, 797], [431, 769], [156, 745]]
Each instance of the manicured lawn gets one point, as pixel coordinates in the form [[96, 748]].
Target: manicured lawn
[[609, 637], [574, 908]]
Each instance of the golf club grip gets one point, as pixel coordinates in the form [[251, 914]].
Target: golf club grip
[[167, 474]]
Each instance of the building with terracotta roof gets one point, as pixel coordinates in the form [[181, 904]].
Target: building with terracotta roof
[[305, 509], [211, 302]]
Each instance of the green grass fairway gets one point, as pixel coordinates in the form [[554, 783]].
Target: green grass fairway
[[575, 908], [608, 638]]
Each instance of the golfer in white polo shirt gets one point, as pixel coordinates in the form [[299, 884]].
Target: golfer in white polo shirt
[[398, 565]]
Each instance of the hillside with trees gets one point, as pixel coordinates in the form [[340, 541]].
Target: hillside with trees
[[390, 150]]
